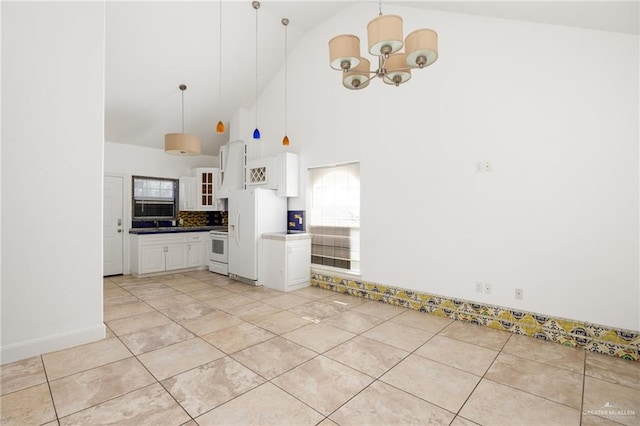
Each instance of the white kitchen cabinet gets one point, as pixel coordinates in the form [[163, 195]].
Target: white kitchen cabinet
[[285, 261], [187, 193], [151, 259], [207, 183], [175, 256], [262, 173], [288, 181], [280, 173], [195, 249], [158, 253]]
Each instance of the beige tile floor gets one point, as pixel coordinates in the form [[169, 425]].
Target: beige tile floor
[[200, 349]]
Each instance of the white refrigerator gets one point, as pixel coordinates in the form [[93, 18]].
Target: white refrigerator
[[252, 212]]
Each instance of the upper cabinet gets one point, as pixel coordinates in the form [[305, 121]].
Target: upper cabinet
[[199, 193], [232, 160], [288, 182], [187, 193], [279, 173], [207, 183]]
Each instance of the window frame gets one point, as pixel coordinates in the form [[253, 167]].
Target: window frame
[[334, 231], [151, 200]]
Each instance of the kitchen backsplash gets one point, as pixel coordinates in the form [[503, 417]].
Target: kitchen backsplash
[[295, 221], [187, 218]]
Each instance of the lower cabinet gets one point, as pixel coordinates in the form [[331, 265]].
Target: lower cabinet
[[195, 250], [285, 261], [156, 253]]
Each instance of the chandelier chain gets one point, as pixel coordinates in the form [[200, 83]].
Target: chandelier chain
[[379, 7]]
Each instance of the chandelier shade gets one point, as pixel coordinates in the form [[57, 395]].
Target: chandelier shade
[[421, 48], [397, 71], [181, 144], [344, 50], [357, 77], [385, 34]]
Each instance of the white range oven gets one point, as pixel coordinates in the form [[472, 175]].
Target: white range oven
[[218, 255]]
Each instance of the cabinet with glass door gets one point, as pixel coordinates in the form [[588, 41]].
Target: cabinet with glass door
[[207, 182]]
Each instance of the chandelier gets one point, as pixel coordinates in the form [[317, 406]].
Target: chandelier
[[384, 41]]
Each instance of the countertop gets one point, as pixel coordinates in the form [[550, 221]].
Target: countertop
[[175, 229], [283, 236]]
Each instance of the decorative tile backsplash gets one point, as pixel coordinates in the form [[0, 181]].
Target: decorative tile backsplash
[[592, 337], [189, 218], [295, 221]]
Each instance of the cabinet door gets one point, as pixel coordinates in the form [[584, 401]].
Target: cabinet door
[[195, 254], [207, 183], [152, 259], [287, 163], [298, 262], [187, 193], [175, 256]]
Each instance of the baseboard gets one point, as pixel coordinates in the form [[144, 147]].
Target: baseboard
[[592, 337], [29, 348]]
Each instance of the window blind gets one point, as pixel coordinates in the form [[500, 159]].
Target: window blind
[[334, 221]]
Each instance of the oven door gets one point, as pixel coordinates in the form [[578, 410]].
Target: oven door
[[218, 248]]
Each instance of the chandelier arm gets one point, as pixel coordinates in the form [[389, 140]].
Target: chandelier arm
[[368, 80], [363, 72]]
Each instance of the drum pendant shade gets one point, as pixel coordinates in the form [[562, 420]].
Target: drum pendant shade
[[358, 77], [345, 47], [181, 144], [421, 48], [385, 30]]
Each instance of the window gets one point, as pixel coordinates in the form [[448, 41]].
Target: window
[[334, 221], [154, 198]]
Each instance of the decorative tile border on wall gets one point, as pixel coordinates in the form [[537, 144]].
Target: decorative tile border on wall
[[596, 338]]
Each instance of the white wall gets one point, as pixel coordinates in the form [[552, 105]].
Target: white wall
[[555, 110], [52, 142], [129, 160]]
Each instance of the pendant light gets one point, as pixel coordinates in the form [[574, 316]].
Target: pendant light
[[181, 143], [285, 140], [220, 126], [256, 132]]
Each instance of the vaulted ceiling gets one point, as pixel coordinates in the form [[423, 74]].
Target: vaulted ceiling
[[153, 47]]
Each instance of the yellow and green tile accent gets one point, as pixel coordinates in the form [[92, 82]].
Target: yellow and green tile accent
[[596, 338]]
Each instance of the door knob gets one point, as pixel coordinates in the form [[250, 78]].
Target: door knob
[[119, 230]]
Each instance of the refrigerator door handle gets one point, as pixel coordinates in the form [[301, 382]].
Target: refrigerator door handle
[[238, 227]]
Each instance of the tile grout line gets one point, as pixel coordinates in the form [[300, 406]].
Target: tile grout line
[[483, 377], [145, 367], [46, 376]]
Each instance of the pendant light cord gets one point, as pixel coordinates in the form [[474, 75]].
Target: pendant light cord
[[257, 7], [182, 111], [286, 77], [220, 53]]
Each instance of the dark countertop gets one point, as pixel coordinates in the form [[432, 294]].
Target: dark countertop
[[175, 229]]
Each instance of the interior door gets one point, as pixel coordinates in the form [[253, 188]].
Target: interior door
[[112, 226]]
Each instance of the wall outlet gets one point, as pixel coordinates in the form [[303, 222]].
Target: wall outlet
[[479, 287], [518, 293], [487, 288], [483, 166]]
